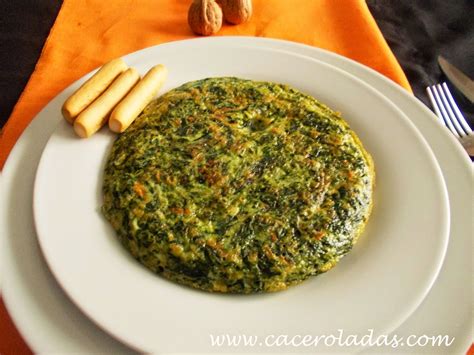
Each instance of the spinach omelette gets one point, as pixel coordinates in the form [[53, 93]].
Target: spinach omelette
[[232, 185]]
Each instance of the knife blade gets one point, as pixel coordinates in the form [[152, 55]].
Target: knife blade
[[460, 80]]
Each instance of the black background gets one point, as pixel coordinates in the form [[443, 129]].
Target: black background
[[416, 30]]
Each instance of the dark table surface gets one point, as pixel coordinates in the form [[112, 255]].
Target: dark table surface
[[417, 32]]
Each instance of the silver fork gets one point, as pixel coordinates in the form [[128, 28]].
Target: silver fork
[[449, 114]]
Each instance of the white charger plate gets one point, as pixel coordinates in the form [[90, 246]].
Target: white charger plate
[[377, 286], [29, 289]]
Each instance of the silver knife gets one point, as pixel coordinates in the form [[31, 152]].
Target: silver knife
[[460, 80]]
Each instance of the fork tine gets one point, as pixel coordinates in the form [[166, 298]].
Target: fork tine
[[442, 111], [434, 104], [450, 112], [456, 110]]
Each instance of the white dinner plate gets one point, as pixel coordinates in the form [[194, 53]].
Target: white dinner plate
[[377, 286], [35, 301]]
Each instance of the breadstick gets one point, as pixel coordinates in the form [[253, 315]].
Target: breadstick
[[134, 103], [92, 88], [95, 116]]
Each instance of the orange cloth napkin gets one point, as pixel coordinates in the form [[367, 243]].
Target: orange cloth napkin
[[87, 34]]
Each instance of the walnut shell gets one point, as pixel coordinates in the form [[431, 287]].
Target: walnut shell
[[205, 17], [236, 11]]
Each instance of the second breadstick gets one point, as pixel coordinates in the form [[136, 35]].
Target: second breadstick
[[134, 103], [94, 117]]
